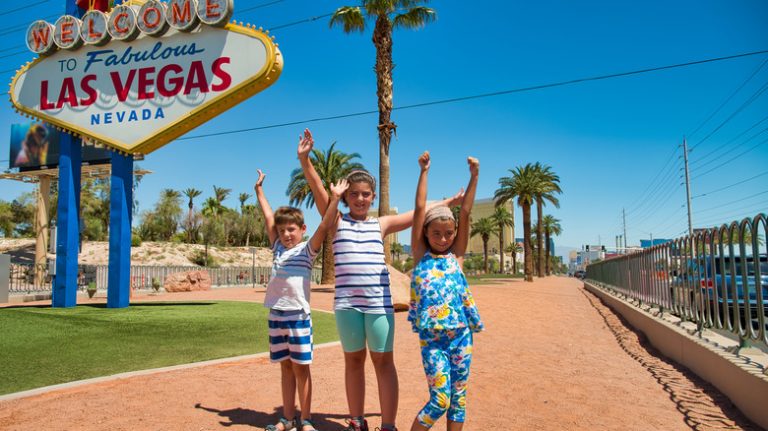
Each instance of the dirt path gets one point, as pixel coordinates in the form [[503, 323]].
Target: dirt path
[[553, 358]]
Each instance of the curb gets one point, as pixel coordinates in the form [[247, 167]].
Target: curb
[[130, 374]]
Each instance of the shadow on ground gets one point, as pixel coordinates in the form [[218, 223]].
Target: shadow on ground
[[693, 396], [241, 416]]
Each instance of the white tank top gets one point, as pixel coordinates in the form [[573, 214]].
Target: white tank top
[[362, 278]]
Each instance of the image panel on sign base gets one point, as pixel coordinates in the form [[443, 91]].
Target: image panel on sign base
[[33, 145]]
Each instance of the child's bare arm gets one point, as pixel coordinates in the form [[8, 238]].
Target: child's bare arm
[[462, 237], [269, 217], [418, 246], [331, 215], [313, 179], [396, 223]]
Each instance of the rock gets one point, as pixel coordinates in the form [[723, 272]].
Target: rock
[[400, 288], [187, 281]]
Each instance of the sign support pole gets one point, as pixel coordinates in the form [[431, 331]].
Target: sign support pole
[[68, 224], [120, 210]]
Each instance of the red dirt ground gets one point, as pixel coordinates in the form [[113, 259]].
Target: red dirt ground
[[553, 357]]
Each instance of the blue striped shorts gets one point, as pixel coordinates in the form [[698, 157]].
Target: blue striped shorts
[[290, 336]]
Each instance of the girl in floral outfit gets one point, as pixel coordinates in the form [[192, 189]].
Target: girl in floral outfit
[[442, 310]]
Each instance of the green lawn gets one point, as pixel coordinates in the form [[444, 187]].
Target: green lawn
[[42, 346], [480, 278]]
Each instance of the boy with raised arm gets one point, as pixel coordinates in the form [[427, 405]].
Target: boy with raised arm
[[287, 297]]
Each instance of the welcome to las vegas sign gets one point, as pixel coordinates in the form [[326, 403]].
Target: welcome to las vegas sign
[[145, 73]]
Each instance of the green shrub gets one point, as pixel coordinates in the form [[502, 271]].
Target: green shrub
[[135, 240], [91, 289], [198, 258]]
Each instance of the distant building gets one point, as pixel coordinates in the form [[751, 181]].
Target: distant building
[[485, 208], [646, 243]]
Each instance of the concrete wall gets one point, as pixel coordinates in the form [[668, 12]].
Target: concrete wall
[[746, 385]]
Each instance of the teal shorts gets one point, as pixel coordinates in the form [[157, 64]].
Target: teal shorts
[[355, 328]]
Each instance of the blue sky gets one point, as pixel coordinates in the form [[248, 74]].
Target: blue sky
[[614, 143]]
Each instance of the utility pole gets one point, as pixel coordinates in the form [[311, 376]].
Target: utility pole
[[624, 216], [687, 186]]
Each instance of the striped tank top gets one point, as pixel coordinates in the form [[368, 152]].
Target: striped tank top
[[362, 278]]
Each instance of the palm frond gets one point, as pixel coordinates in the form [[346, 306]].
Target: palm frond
[[349, 17], [414, 18]]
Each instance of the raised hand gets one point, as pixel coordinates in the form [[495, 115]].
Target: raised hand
[[305, 144], [338, 189], [260, 180], [456, 199], [424, 161], [474, 166]]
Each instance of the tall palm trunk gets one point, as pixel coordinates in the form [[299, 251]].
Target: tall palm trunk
[[549, 254], [514, 262], [501, 249], [328, 275], [527, 254], [485, 255], [189, 222], [540, 236], [382, 40]]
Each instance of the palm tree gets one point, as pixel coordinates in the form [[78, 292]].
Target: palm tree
[[397, 249], [191, 194], [242, 198], [546, 188], [331, 166], [387, 15], [513, 249], [502, 217], [484, 227], [551, 227], [220, 193], [521, 185]]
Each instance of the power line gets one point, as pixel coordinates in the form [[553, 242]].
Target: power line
[[749, 101], [729, 186], [482, 95], [10, 30], [663, 186], [732, 202], [728, 99], [724, 146], [314, 18], [738, 214], [670, 158], [13, 54], [732, 158], [259, 6], [23, 7]]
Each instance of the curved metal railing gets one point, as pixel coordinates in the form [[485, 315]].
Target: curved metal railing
[[717, 277]]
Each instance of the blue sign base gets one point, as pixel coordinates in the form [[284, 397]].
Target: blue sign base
[[67, 223], [120, 208]]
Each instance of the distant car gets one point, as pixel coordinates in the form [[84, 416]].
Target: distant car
[[731, 277], [580, 274], [722, 283]]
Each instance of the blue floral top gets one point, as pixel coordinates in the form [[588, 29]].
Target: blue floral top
[[440, 296]]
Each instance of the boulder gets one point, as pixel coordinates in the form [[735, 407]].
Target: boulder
[[400, 288], [187, 281]]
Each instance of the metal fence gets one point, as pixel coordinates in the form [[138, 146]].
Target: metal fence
[[142, 276], [717, 278], [23, 279]]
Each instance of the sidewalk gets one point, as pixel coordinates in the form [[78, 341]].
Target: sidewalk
[[549, 360]]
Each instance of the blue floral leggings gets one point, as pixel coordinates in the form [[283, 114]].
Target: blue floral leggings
[[446, 356]]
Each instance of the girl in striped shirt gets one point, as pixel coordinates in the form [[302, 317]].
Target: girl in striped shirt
[[363, 303]]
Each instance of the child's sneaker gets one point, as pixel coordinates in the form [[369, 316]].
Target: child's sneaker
[[288, 425], [352, 425]]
